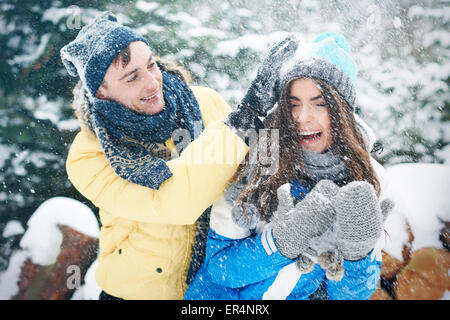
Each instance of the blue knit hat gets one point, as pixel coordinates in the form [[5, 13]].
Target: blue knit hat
[[328, 59], [96, 46]]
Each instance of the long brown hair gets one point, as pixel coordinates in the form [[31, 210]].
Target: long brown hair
[[347, 140]]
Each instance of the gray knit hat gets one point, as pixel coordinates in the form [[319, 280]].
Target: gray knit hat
[[95, 47], [328, 59]]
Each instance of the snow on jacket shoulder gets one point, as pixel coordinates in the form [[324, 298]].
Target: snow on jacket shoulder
[[147, 235]]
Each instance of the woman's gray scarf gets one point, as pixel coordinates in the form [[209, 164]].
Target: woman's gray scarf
[[325, 165], [317, 166]]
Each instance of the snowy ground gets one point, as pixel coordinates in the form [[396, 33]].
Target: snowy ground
[[419, 190]]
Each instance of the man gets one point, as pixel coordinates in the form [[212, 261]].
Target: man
[[150, 183]]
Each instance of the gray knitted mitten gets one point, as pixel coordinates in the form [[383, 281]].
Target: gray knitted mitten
[[285, 204], [250, 218], [359, 219], [311, 217], [262, 93], [285, 201], [359, 224]]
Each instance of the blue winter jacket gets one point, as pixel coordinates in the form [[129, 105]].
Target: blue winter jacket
[[240, 264], [247, 269]]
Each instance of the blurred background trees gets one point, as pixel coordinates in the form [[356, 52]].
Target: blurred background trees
[[401, 48]]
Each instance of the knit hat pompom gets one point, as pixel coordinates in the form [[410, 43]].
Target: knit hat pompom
[[327, 58], [338, 39], [97, 44], [335, 48]]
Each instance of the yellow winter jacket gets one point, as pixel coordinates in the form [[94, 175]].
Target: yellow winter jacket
[[147, 235]]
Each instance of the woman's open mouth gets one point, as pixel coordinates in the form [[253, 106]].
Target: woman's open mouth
[[310, 137]]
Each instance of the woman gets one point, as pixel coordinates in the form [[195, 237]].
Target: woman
[[322, 205]]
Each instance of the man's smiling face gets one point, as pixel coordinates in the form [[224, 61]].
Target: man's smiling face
[[134, 80]]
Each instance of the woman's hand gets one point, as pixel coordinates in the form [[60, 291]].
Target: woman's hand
[[310, 218], [359, 219], [359, 224]]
